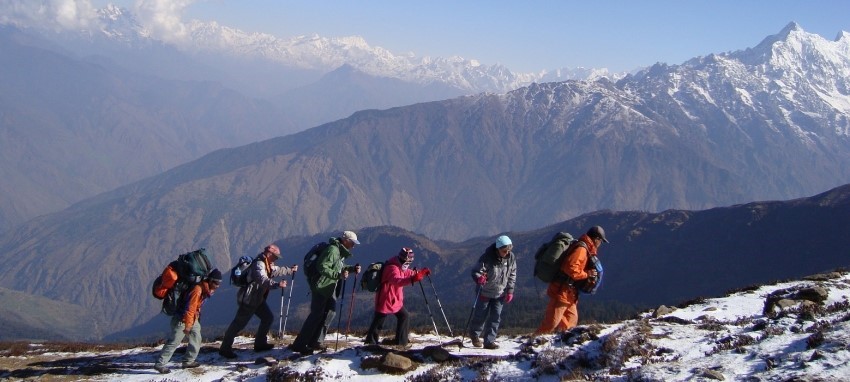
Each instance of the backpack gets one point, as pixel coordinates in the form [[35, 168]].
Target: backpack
[[311, 270], [178, 276], [547, 259], [591, 285], [239, 272], [372, 277]]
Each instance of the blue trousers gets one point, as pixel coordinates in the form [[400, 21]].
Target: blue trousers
[[486, 319]]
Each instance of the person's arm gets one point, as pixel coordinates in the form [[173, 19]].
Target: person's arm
[[576, 261], [193, 308]]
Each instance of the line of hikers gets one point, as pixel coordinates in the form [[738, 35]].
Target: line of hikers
[[494, 275]]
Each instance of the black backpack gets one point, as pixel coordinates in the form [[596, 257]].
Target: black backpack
[[239, 272], [190, 268], [311, 260], [548, 258], [372, 277]]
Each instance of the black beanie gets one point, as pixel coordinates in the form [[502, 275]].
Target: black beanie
[[215, 275]]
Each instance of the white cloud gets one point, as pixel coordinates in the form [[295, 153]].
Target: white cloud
[[54, 14], [163, 18]]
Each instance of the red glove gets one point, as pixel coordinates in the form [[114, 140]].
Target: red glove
[[508, 298], [420, 274], [482, 280]]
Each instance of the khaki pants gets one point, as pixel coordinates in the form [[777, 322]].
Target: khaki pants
[[175, 337]]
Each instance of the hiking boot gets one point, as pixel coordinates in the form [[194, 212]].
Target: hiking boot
[[263, 347], [191, 365], [491, 346], [227, 353], [476, 342], [302, 351], [161, 369]]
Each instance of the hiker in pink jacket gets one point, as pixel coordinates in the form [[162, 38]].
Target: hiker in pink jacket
[[389, 298]]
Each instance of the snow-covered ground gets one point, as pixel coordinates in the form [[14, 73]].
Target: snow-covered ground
[[728, 338]]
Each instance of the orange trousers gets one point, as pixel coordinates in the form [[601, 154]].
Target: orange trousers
[[559, 315]]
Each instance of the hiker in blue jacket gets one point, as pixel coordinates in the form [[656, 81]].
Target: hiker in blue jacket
[[495, 274]]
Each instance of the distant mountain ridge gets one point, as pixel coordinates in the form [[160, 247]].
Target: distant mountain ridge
[[653, 258]]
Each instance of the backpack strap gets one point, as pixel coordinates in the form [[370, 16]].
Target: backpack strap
[[562, 277]]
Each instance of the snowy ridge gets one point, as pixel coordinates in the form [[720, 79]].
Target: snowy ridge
[[794, 330]]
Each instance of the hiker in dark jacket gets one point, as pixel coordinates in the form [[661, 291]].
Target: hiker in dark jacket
[[187, 322], [495, 274], [562, 310], [389, 298], [325, 291], [251, 299]]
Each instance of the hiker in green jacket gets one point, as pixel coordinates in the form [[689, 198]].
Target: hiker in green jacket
[[325, 291]]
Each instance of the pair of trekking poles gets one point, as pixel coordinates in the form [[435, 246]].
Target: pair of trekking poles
[[351, 309]]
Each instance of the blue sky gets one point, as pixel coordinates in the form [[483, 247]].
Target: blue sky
[[529, 36]]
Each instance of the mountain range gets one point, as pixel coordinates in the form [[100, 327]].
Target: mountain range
[[126, 105], [766, 123], [653, 258]]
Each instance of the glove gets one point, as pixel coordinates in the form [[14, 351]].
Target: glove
[[481, 280], [420, 274], [508, 298]]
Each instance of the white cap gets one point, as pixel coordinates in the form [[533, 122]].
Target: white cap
[[351, 236]]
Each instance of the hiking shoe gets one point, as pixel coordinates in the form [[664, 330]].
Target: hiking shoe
[[161, 369], [263, 347], [491, 346], [191, 365], [302, 351], [476, 342], [227, 353]]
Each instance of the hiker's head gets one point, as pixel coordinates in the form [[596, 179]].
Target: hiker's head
[[504, 245], [273, 250], [349, 239], [214, 278], [405, 255], [598, 234]]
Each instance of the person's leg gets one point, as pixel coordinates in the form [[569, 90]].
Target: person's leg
[[312, 324], [329, 314], [243, 315], [571, 314], [194, 343], [264, 313], [175, 336], [479, 316], [494, 318], [552, 318], [402, 327], [377, 324]]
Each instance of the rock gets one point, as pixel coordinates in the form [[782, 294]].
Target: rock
[[437, 353], [395, 364], [270, 361], [662, 310]]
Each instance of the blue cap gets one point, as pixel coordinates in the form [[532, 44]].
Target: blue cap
[[503, 241]]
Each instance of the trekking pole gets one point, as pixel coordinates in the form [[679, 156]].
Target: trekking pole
[[288, 301], [351, 307], [440, 305], [429, 309], [280, 316], [468, 320], [339, 319]]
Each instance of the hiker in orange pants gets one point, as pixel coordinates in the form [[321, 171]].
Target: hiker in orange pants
[[562, 311]]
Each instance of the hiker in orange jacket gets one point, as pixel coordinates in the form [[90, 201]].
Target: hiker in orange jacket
[[186, 322], [562, 310]]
